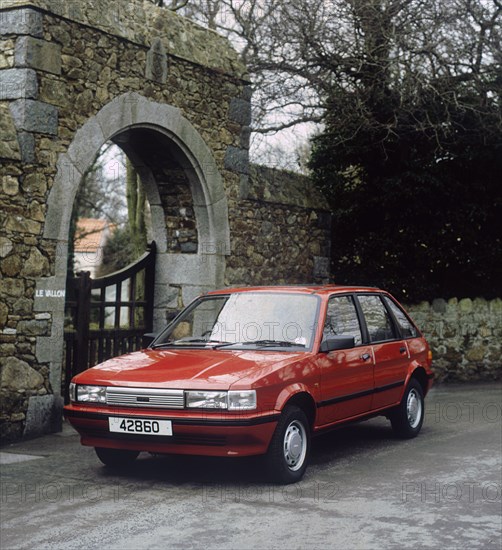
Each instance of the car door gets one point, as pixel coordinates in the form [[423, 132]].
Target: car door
[[346, 376], [389, 351]]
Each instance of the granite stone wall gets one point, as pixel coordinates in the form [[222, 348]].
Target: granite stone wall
[[281, 230]]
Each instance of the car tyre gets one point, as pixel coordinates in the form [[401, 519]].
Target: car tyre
[[287, 456], [408, 417], [116, 458]]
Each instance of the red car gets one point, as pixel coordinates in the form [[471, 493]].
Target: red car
[[258, 371]]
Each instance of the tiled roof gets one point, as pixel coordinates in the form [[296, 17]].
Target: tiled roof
[[91, 234]]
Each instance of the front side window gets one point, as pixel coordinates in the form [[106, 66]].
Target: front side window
[[378, 321], [246, 319], [407, 328], [341, 319]]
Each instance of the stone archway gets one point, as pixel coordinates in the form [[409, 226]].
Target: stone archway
[[191, 273]]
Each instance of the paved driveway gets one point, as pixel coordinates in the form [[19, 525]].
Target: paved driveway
[[364, 489]]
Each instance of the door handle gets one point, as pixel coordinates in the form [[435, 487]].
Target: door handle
[[365, 356], [402, 349]]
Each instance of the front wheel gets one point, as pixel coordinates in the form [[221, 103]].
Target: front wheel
[[408, 417], [116, 458], [287, 456]]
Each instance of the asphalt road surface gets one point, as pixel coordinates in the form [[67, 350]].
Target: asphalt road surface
[[364, 489]]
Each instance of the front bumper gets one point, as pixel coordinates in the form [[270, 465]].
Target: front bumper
[[207, 434]]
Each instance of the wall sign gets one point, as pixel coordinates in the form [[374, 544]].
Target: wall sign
[[48, 293]]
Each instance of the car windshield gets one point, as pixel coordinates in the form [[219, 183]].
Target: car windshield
[[249, 320]]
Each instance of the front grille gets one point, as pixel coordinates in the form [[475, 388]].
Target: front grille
[[145, 398]]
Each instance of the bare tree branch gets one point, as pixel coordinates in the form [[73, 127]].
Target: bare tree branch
[[303, 53]]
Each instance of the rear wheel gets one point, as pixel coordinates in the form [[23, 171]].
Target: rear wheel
[[287, 456], [408, 417], [116, 457]]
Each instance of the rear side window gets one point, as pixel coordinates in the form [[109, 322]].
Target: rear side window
[[341, 319], [378, 321], [407, 329]]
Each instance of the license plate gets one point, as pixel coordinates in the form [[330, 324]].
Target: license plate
[[142, 426]]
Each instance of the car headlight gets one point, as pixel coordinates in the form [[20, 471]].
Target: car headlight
[[231, 400], [91, 394], [206, 399], [241, 400], [73, 392]]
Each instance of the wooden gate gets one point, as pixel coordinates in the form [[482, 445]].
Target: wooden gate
[[107, 316]]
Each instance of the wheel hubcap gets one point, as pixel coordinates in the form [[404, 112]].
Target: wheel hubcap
[[414, 408], [295, 445]]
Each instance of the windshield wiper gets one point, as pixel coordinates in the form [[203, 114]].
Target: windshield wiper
[[162, 345], [188, 341], [265, 343]]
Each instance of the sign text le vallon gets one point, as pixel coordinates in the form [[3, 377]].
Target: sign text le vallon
[[47, 293]]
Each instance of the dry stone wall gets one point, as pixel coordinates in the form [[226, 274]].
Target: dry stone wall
[[465, 336]]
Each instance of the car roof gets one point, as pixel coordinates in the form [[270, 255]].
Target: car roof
[[300, 289]]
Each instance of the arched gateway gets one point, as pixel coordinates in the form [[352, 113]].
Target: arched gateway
[[175, 98], [158, 139]]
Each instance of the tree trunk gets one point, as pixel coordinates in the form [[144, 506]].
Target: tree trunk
[[136, 203]]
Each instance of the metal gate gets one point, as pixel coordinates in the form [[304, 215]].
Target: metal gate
[[107, 316]]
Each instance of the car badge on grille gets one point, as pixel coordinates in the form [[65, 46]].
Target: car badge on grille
[[142, 399]]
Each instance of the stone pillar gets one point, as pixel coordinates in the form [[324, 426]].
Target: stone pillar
[[30, 400]]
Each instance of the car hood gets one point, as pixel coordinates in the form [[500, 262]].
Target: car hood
[[188, 369]]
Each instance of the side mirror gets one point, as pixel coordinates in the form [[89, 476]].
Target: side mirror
[[333, 343], [147, 339]]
